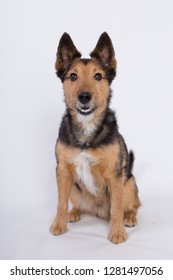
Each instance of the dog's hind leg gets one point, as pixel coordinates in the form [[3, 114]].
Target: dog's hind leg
[[131, 202], [74, 215]]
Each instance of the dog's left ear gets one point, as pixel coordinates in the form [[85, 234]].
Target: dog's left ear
[[66, 54], [104, 52]]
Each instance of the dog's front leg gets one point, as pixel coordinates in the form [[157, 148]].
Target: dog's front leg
[[64, 184], [117, 231]]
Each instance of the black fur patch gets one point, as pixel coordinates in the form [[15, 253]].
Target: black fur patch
[[122, 157], [131, 159], [61, 73], [106, 133], [78, 187], [110, 74], [85, 61]]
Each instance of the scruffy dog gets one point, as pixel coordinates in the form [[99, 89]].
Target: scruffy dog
[[94, 168]]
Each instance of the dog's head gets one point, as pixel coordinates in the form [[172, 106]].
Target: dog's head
[[86, 81]]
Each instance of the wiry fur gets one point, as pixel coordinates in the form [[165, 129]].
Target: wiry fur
[[94, 168]]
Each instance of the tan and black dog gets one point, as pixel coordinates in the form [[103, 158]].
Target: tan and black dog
[[94, 168]]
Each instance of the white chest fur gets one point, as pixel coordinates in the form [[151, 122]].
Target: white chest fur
[[87, 123], [83, 163]]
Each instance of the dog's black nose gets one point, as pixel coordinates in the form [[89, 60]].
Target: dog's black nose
[[84, 97]]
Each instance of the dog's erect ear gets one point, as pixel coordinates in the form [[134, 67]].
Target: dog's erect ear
[[104, 52], [66, 53]]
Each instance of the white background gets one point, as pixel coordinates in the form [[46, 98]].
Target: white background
[[31, 107]]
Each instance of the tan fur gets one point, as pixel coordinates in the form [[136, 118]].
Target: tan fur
[[131, 203], [122, 201], [99, 91]]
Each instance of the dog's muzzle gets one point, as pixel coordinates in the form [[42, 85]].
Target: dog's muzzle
[[84, 99]]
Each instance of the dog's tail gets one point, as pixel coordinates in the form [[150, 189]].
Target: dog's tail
[[131, 159]]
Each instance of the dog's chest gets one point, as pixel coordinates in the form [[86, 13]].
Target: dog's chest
[[83, 163]]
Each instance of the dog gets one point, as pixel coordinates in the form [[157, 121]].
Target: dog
[[94, 167]]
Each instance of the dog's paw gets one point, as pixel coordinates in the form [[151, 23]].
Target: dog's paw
[[73, 215], [56, 229], [118, 235], [130, 222], [130, 219]]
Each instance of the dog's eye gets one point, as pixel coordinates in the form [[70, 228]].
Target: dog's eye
[[98, 76], [73, 77]]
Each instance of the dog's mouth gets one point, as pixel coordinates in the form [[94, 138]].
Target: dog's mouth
[[85, 110]]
